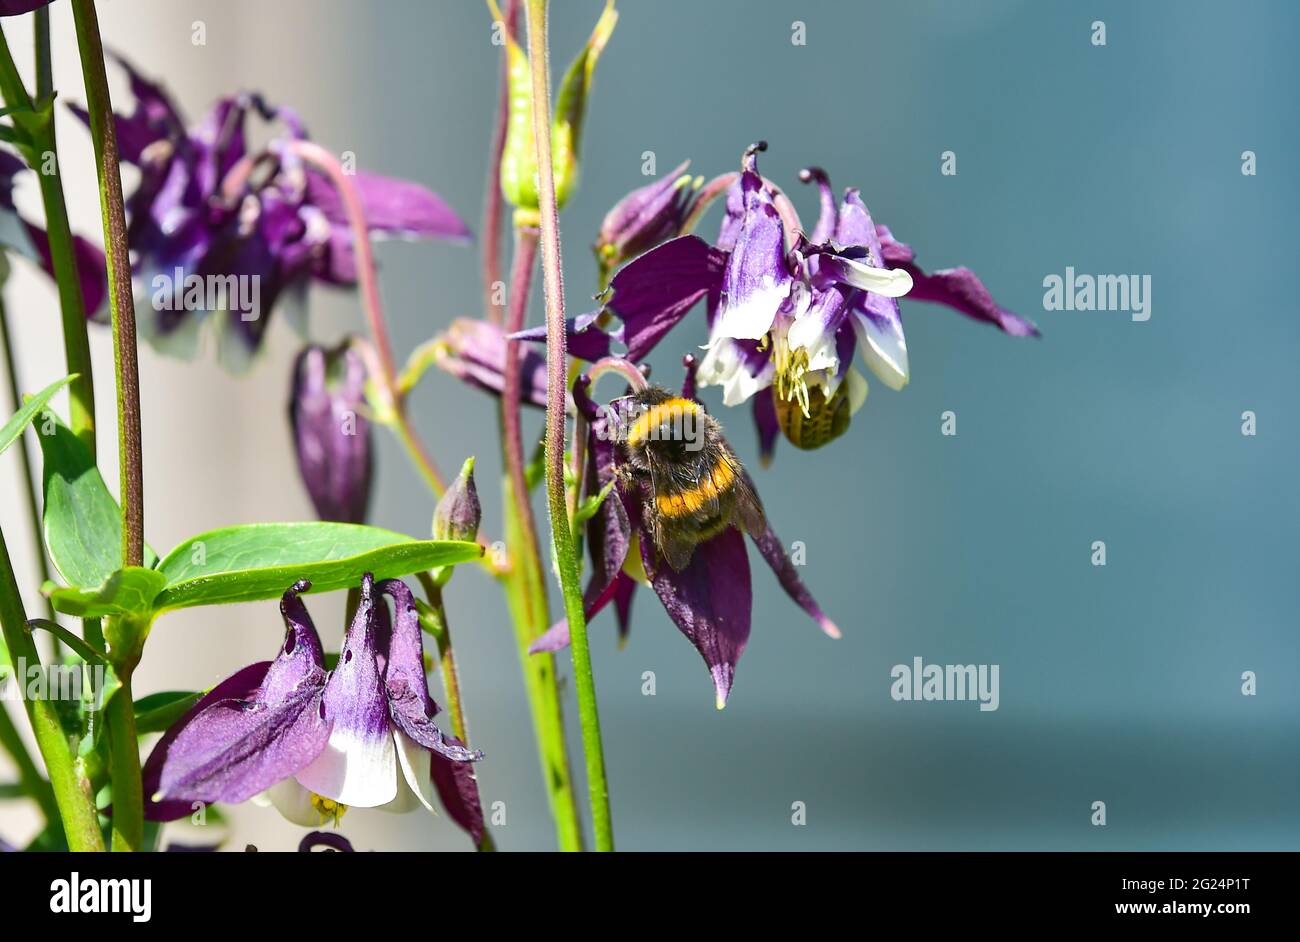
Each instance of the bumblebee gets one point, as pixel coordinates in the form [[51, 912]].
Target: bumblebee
[[693, 485]]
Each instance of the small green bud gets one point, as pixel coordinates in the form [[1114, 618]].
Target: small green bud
[[457, 515]]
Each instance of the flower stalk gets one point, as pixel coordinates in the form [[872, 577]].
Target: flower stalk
[[113, 210], [524, 582], [494, 202], [561, 533]]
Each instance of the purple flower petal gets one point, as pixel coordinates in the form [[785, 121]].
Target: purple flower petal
[[710, 601], [19, 7], [957, 288], [240, 686], [768, 427], [457, 787], [474, 351], [653, 292], [773, 550], [757, 280], [393, 207], [231, 749], [92, 268], [332, 438], [407, 692], [645, 217], [358, 766]]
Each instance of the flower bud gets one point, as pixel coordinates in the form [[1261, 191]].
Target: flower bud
[[519, 157], [645, 218], [331, 436], [474, 351], [457, 515]]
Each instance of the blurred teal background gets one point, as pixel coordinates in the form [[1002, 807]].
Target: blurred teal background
[[1119, 684]]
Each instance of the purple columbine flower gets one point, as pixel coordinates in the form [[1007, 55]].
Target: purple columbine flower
[[788, 311], [313, 744], [645, 218], [331, 435], [709, 599], [211, 241]]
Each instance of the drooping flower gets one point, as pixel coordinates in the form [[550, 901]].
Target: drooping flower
[[331, 435], [709, 598], [788, 311], [218, 230], [312, 743]]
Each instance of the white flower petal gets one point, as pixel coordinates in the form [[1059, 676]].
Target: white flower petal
[[355, 769], [291, 800], [752, 317], [884, 348], [857, 389], [414, 762], [890, 282], [724, 365]]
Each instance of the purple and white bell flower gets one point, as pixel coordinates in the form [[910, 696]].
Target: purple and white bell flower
[[221, 232], [314, 743], [787, 311]]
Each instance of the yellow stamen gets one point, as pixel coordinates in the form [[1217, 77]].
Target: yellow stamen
[[330, 811]]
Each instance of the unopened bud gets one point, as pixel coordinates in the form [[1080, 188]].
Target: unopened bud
[[458, 512]]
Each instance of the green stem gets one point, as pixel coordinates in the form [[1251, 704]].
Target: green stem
[[561, 534], [103, 130], [525, 584], [128, 793], [437, 625], [74, 803], [29, 776], [25, 453], [72, 307]]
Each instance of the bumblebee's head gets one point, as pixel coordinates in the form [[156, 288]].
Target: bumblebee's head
[[662, 428]]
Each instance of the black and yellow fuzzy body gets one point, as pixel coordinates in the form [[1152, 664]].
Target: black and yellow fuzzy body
[[697, 487]]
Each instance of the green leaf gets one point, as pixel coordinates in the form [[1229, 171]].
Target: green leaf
[[261, 560], [158, 711], [31, 408], [82, 521], [129, 590]]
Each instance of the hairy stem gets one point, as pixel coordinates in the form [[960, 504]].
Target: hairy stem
[[561, 534], [103, 129], [525, 582], [74, 802]]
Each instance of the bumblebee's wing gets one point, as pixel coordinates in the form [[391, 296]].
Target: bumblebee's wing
[[748, 509], [676, 546]]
